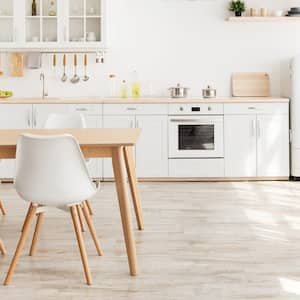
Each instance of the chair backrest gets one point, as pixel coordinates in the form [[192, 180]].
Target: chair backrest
[[68, 120], [51, 170]]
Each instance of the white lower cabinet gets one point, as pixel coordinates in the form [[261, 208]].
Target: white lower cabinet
[[41, 113], [240, 145], [151, 149], [13, 116], [115, 122], [257, 143], [272, 145]]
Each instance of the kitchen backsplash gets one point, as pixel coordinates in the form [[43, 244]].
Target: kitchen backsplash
[[172, 41]]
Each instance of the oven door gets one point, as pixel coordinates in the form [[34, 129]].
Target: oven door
[[195, 136]]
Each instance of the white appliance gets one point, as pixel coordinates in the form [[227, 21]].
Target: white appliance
[[295, 116], [196, 131]]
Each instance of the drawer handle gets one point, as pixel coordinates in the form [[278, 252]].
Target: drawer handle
[[131, 108], [251, 107], [81, 109]]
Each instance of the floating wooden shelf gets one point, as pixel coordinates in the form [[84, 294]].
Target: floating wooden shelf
[[264, 19]]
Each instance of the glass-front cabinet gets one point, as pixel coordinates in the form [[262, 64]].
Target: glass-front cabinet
[[52, 23]]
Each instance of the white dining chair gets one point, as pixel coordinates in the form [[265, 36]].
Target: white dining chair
[[51, 172], [69, 120]]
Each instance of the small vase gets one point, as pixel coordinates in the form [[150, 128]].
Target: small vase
[[238, 13]]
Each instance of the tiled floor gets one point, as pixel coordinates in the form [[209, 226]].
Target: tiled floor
[[201, 241]]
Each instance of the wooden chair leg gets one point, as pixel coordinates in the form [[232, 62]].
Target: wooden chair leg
[[91, 227], [89, 206], [80, 216], [37, 230], [82, 250], [29, 208], [20, 245], [2, 248], [2, 208]]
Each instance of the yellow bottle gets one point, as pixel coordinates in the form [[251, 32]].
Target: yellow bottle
[[135, 86], [124, 92]]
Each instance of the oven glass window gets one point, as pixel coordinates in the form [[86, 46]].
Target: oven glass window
[[196, 137]]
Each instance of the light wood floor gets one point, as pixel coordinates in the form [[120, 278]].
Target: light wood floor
[[202, 241]]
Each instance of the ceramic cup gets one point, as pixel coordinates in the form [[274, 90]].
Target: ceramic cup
[[91, 36], [278, 13]]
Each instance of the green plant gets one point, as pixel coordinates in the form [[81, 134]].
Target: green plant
[[237, 6]]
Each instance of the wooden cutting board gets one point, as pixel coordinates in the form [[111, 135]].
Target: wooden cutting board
[[16, 64], [250, 85]]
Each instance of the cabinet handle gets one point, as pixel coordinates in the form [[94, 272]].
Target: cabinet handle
[[65, 34], [251, 107], [131, 108], [81, 109], [138, 124], [252, 127], [131, 124], [258, 128], [29, 118], [34, 119]]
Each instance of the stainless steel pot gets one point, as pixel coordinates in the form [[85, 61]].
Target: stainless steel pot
[[209, 92], [178, 91]]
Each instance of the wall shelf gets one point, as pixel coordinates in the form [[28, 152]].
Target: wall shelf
[[264, 19]]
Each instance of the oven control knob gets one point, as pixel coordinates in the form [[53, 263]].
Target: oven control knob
[[209, 108], [181, 108]]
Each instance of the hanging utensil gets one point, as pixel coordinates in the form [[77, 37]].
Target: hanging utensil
[[85, 77], [75, 78], [54, 60], [64, 77]]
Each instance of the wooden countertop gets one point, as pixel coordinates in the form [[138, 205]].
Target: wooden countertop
[[100, 100]]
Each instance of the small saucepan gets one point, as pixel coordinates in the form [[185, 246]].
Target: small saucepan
[[209, 92], [178, 91]]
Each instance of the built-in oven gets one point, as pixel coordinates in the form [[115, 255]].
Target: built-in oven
[[196, 131]]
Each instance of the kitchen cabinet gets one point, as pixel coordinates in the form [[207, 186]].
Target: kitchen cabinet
[[13, 116], [93, 117], [272, 145], [151, 149], [256, 138], [41, 113], [65, 24], [240, 145], [115, 122]]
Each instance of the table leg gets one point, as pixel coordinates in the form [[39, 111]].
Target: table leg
[[117, 160], [134, 188]]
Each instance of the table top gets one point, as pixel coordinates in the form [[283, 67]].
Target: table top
[[111, 137]]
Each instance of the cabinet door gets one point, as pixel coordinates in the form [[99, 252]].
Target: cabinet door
[[41, 113], [13, 116], [94, 165], [272, 145], [115, 122], [240, 145], [151, 149]]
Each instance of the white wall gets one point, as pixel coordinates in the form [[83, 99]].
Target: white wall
[[170, 41]]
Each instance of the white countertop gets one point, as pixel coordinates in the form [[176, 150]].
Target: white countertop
[[101, 100]]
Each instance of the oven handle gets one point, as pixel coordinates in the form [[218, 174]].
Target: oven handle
[[191, 120]]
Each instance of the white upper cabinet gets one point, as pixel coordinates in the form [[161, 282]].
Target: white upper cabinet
[[54, 24]]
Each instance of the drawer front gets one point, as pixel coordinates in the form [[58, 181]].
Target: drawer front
[[90, 109], [135, 109], [256, 108], [196, 168]]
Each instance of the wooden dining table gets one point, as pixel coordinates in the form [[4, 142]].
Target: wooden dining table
[[117, 144]]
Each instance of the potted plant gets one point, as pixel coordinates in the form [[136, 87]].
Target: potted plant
[[238, 7]]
